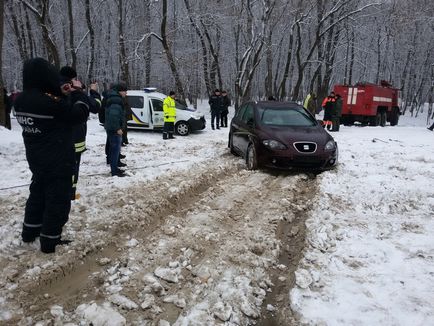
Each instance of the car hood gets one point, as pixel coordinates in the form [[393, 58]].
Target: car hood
[[288, 135]]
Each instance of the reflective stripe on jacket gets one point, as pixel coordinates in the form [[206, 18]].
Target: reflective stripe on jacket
[[169, 109], [306, 101]]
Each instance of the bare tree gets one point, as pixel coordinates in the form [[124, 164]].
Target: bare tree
[[42, 15], [2, 103], [168, 50]]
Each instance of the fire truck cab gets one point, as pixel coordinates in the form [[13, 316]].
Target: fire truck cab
[[369, 103]]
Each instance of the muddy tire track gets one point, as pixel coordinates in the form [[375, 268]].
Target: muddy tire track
[[223, 225], [141, 209]]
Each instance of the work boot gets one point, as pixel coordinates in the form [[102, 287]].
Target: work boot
[[119, 173], [212, 127], [29, 236], [121, 164], [171, 136], [48, 246]]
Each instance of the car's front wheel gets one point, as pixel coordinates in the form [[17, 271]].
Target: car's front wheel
[[182, 128], [251, 159]]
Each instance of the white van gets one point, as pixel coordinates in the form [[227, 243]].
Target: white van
[[147, 107]]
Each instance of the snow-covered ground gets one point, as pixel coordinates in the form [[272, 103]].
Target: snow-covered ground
[[368, 256]]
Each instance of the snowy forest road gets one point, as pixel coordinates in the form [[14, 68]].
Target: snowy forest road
[[220, 246]]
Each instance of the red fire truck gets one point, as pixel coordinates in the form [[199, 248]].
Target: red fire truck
[[369, 103]]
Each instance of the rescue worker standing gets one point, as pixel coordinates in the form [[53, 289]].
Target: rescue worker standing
[[309, 103], [215, 102], [80, 131], [337, 113], [114, 120], [226, 103], [169, 111], [329, 107], [47, 119]]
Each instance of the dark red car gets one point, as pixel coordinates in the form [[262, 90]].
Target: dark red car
[[281, 135]]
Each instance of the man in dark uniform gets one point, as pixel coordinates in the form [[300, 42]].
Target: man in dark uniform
[[337, 114], [226, 103], [215, 102], [114, 120], [79, 131], [47, 119]]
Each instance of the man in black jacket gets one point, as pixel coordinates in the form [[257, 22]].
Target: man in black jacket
[[114, 120], [215, 102], [226, 103], [47, 119], [79, 131]]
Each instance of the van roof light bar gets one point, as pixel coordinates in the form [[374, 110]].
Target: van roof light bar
[[150, 89]]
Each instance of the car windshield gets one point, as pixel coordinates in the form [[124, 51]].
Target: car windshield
[[180, 106], [285, 117]]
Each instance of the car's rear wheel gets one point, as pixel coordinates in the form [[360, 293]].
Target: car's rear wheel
[[251, 159], [182, 128]]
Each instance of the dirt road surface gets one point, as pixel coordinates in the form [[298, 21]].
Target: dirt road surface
[[217, 244]]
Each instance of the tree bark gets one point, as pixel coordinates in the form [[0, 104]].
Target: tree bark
[[42, 16], [2, 102], [90, 69], [71, 36], [169, 55]]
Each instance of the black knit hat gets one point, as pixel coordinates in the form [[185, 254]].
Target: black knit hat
[[64, 80], [120, 87], [68, 72], [39, 74]]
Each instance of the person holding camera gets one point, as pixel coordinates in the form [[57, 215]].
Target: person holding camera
[[93, 101], [47, 117]]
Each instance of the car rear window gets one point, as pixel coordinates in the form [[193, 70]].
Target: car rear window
[[285, 117]]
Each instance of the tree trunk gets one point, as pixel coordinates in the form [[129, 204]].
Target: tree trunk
[[43, 19], [18, 31], [169, 55], [2, 102], [204, 50], [123, 60], [71, 36], [148, 44], [90, 69]]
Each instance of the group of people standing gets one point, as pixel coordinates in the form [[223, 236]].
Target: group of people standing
[[53, 110], [219, 103], [50, 110], [332, 106]]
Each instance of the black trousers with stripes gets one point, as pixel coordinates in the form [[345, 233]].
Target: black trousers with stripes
[[76, 173], [47, 208]]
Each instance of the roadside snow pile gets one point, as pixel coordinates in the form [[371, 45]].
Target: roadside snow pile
[[370, 255]]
